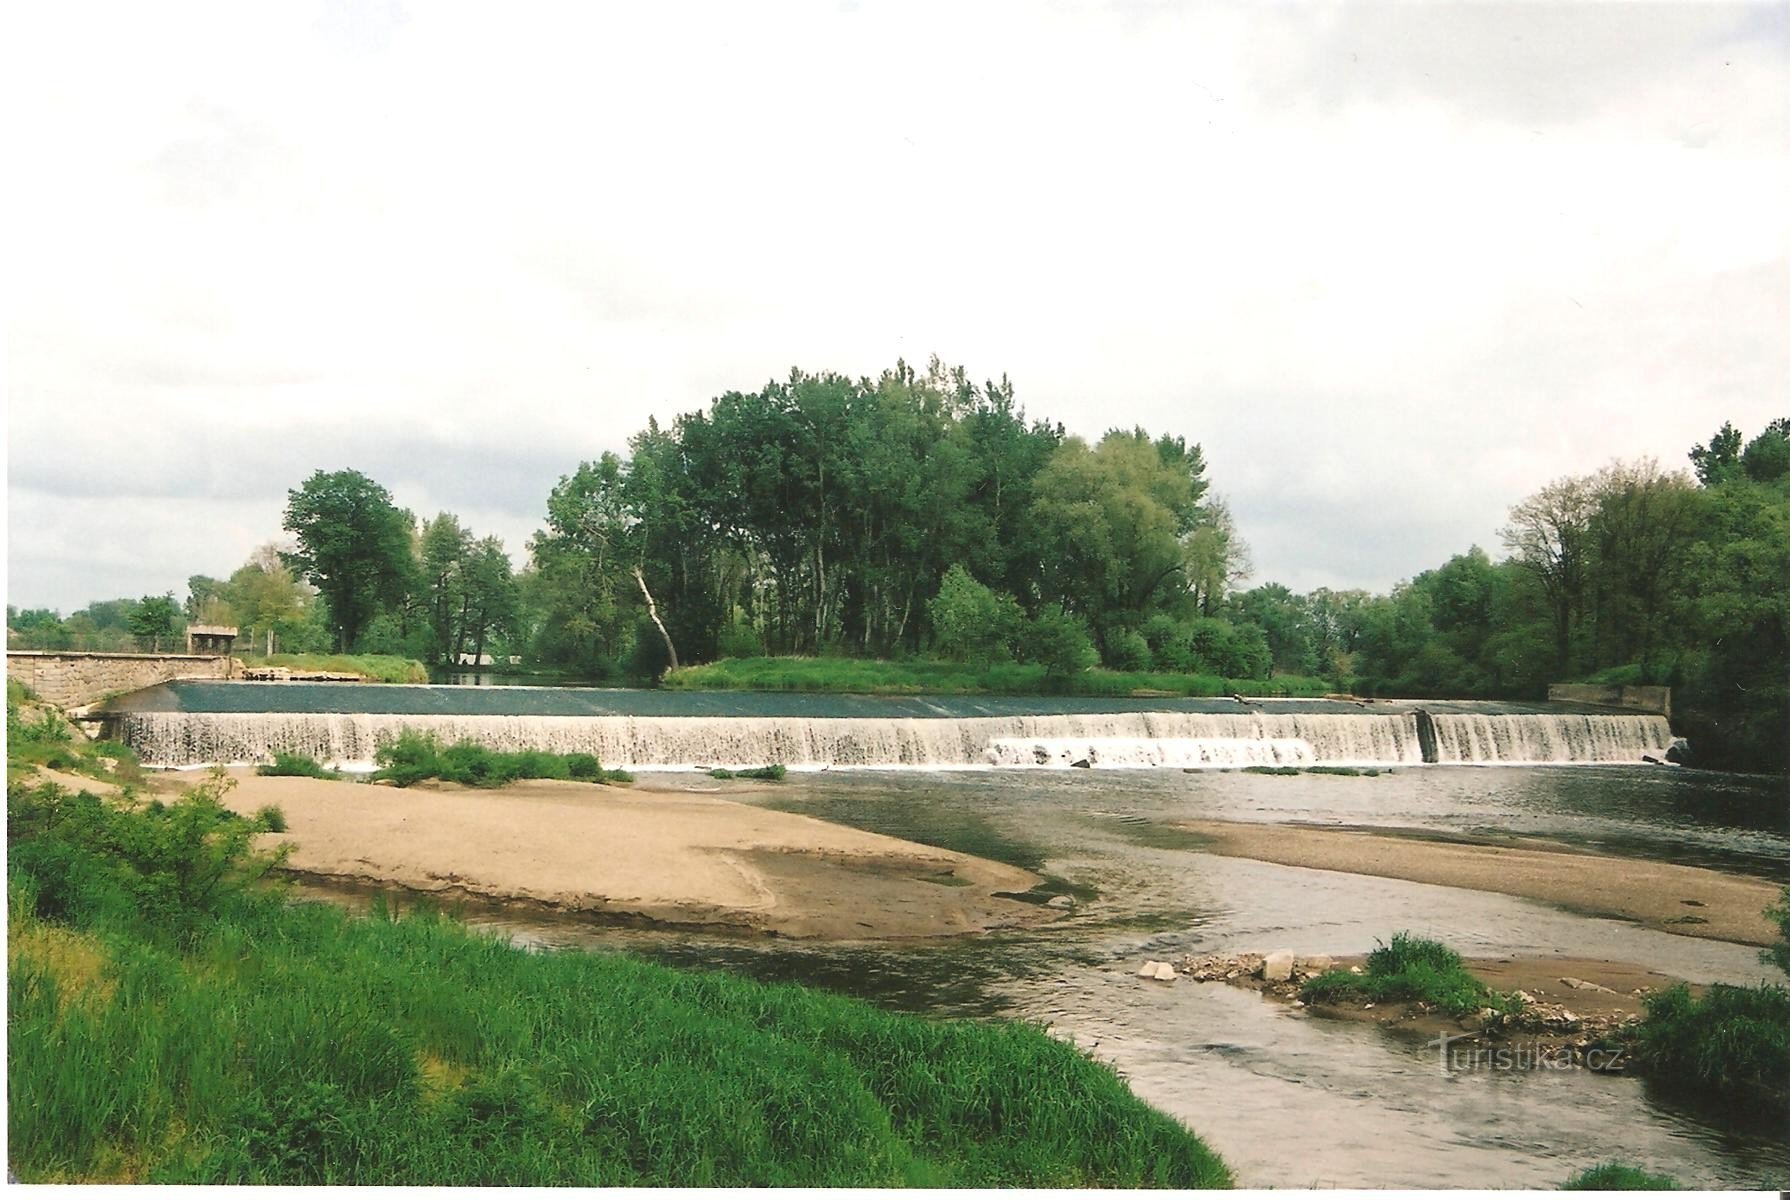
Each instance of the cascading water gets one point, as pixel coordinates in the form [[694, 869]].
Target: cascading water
[[1111, 739], [800, 732], [1549, 738]]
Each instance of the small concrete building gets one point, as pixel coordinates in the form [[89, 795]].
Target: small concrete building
[[210, 639]]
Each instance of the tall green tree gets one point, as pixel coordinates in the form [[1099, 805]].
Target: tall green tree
[[153, 621], [354, 544]]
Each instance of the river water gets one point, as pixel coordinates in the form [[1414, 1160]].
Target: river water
[[1289, 1099]]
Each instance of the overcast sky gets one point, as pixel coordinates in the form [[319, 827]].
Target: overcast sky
[[1393, 267]]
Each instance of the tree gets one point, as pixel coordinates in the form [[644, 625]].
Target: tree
[[1720, 457], [354, 545], [444, 546], [1549, 536], [1058, 639], [971, 622], [153, 621]]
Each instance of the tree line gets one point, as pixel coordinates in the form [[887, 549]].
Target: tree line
[[922, 514]]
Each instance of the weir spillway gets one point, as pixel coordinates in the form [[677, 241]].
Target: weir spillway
[[194, 724]]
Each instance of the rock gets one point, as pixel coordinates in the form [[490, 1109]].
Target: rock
[[1315, 964], [1148, 970], [1278, 967], [1356, 971], [1165, 972], [1679, 752], [1060, 902], [1525, 997], [1585, 985], [1083, 763]]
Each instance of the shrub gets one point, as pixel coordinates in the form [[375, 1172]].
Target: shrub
[[972, 622], [1127, 650], [302, 765], [412, 757], [738, 639], [1779, 914], [1058, 640], [409, 758], [270, 818]]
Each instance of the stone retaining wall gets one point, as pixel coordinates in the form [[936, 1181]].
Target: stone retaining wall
[[71, 679], [1642, 699]]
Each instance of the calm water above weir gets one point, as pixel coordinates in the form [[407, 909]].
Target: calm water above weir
[[1288, 1099]]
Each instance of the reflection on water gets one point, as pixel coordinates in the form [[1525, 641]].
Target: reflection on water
[[1287, 1099]]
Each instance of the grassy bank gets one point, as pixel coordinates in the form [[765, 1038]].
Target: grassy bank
[[381, 668], [1410, 969], [870, 676], [171, 1019]]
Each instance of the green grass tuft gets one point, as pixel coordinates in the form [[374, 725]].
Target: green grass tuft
[[1732, 1041], [1410, 969], [1619, 1177]]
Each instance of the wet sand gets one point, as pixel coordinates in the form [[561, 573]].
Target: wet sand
[[669, 854], [1688, 900]]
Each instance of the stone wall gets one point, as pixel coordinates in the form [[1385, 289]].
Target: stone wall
[[70, 680], [1642, 699]]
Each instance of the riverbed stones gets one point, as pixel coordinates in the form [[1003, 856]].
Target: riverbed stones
[[1308, 965], [1165, 972], [1278, 967], [1060, 902], [1148, 970]]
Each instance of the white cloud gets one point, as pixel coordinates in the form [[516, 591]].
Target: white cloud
[[1393, 266]]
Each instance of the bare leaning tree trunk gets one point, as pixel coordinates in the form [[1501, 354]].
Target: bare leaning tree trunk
[[652, 610]]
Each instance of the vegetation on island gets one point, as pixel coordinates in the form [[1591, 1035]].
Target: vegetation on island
[[1620, 1177], [412, 757], [1412, 969], [1732, 1042], [920, 519], [174, 1018], [381, 668], [772, 773], [300, 765]]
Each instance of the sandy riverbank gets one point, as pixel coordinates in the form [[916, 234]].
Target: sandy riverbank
[[666, 854], [1678, 899]]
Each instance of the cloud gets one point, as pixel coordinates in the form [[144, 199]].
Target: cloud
[[1393, 266]]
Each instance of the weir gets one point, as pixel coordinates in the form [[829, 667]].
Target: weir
[[1056, 740]]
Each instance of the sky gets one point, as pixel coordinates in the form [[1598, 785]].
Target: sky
[[1393, 267]]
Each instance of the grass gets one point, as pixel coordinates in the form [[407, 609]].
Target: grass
[[231, 1037], [869, 676], [1410, 969], [1731, 1041], [413, 757], [381, 668], [773, 772], [37, 735], [296, 764], [1619, 1177]]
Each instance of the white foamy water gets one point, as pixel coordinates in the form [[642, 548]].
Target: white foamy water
[[1565, 738], [1116, 739]]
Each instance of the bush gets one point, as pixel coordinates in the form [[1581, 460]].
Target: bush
[[301, 765], [1126, 650], [1058, 641], [412, 757], [738, 639], [972, 622], [270, 818]]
